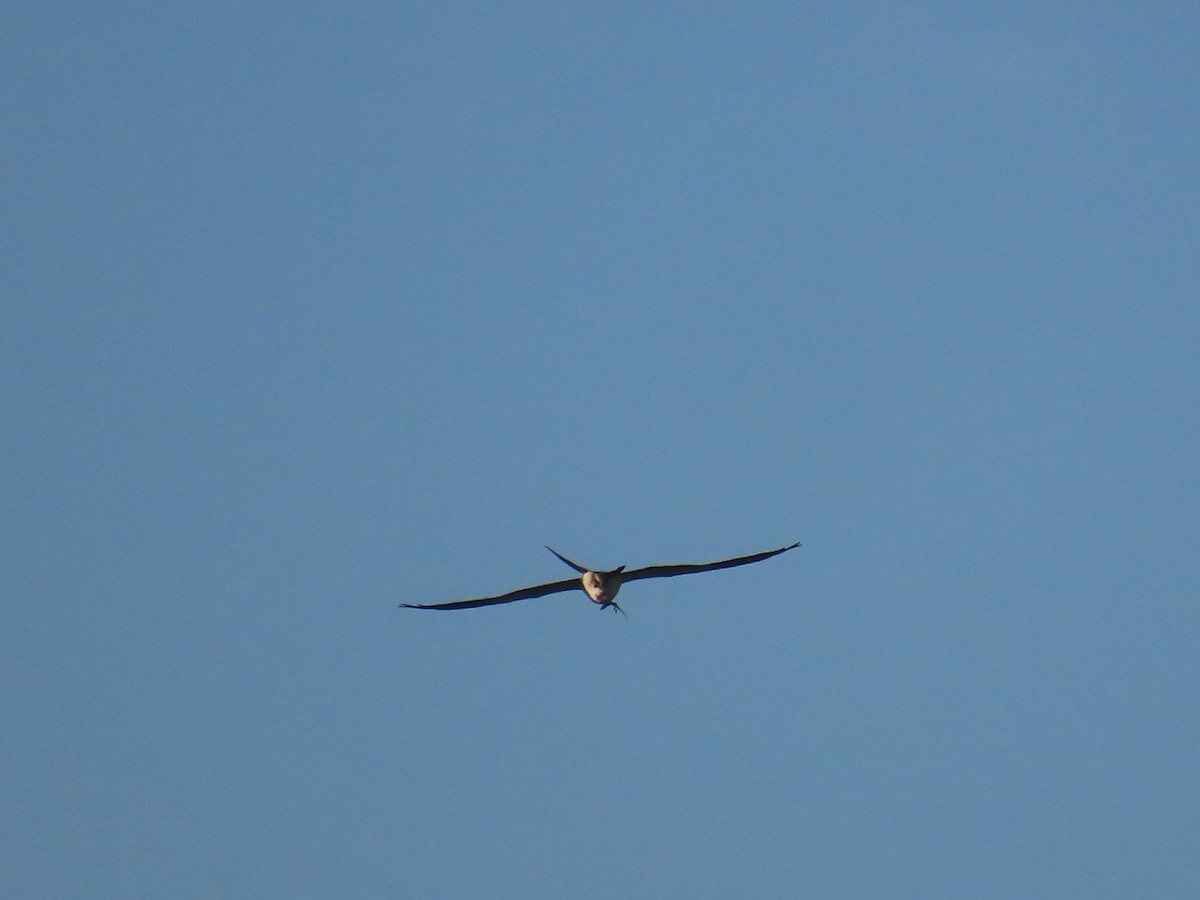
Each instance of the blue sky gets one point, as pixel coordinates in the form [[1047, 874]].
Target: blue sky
[[312, 310]]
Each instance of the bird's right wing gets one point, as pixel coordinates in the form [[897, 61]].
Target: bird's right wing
[[690, 568], [538, 590]]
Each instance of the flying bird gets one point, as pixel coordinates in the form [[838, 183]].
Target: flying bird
[[601, 586]]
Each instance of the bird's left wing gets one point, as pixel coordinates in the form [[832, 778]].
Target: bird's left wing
[[538, 590], [690, 568]]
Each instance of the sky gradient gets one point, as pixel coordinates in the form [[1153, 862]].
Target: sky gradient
[[314, 310]]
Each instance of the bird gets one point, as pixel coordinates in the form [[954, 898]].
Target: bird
[[601, 585]]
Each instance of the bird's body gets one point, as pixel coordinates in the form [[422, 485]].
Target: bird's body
[[601, 586]]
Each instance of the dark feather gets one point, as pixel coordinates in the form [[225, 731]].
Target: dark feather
[[540, 590], [576, 566], [690, 568]]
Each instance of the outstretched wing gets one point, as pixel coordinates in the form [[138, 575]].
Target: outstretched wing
[[690, 568], [538, 590]]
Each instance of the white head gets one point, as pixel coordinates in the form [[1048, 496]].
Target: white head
[[602, 587]]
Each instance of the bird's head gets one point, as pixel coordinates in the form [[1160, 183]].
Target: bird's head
[[602, 587]]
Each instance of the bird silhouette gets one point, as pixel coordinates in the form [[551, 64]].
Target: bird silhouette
[[601, 585]]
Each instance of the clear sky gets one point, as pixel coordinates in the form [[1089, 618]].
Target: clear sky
[[312, 309]]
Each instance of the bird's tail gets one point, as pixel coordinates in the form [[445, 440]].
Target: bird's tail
[[578, 568]]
